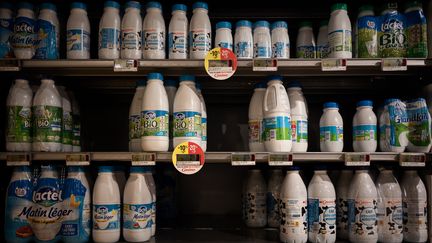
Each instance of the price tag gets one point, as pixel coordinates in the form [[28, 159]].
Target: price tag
[[220, 63], [188, 158], [10, 65], [77, 159], [265, 65], [332, 64], [123, 65], [412, 159], [394, 64], [357, 159], [280, 159], [143, 159], [242, 159], [18, 159]]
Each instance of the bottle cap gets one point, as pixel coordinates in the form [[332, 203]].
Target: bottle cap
[[49, 6], [279, 24], [154, 5], [79, 5], [339, 6], [25, 5], [112, 4], [365, 103], [200, 5], [155, 76], [179, 7], [75, 169], [187, 78], [106, 168], [306, 24], [6, 5], [331, 105], [262, 23], [274, 77], [244, 23], [133, 4], [223, 24], [261, 85]]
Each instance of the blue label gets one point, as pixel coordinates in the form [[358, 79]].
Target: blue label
[[367, 23], [154, 123], [131, 40], [153, 40], [46, 45], [200, 40], [177, 42], [398, 122], [78, 40], [137, 216], [109, 38], [351, 212], [306, 52], [204, 128], [365, 133], [24, 33], [323, 51], [261, 50], [243, 49], [272, 206], [313, 212], [6, 30], [299, 131], [224, 44], [106, 217], [331, 134], [277, 128], [187, 124], [280, 50]]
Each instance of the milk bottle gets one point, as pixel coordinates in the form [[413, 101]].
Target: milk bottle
[[299, 117], [389, 211], [223, 35], [339, 32], [416, 30], [321, 208], [393, 126], [277, 118], [78, 32], [342, 189], [262, 40], [293, 209], [364, 128], [323, 48], [137, 207], [273, 198], [67, 122], [331, 129], [76, 139], [362, 208], [135, 118], [131, 29], [256, 211], [256, 116], [24, 35], [199, 31], [48, 33], [419, 126], [106, 207], [154, 115], [109, 31], [305, 41], [153, 32], [203, 118], [178, 33], [171, 90], [6, 29], [243, 40], [119, 176], [187, 113], [48, 115], [392, 39], [77, 199], [19, 122], [366, 33], [280, 40], [47, 212], [414, 201], [18, 206], [152, 186]]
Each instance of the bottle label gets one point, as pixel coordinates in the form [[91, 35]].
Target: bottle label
[[187, 124], [362, 217], [365, 133], [322, 216], [398, 126], [153, 213], [342, 215], [78, 40], [109, 38], [200, 40], [281, 50], [67, 132], [224, 44], [416, 33], [76, 140], [415, 215], [256, 206], [367, 37], [243, 49], [323, 51], [273, 207], [331, 134], [299, 129], [46, 44], [154, 123], [134, 126], [293, 217], [340, 40], [154, 40], [419, 123], [177, 42], [306, 52], [204, 128], [106, 217], [392, 40], [47, 125], [24, 33], [137, 216], [255, 131], [390, 215], [131, 39], [262, 50], [6, 32], [277, 128], [19, 124]]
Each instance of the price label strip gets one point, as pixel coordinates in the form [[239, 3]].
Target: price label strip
[[82, 159], [220, 63], [394, 64], [143, 159], [10, 65], [123, 65], [412, 160], [18, 159], [331, 64], [357, 159], [243, 159], [188, 158], [265, 65], [280, 159]]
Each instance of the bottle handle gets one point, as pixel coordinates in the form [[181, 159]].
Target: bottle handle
[[265, 108]]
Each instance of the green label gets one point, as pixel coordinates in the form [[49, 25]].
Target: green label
[[154, 123], [277, 128], [76, 139], [47, 124], [367, 34], [134, 127], [19, 124], [67, 132], [187, 124], [392, 41]]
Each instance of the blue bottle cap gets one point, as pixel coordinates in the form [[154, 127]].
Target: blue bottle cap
[[279, 24], [365, 103], [141, 83], [223, 24], [137, 169], [331, 105], [154, 5], [6, 5], [244, 23], [133, 4], [155, 76], [79, 5], [187, 78], [274, 77], [106, 168], [171, 82], [262, 23], [294, 84], [49, 6], [179, 7], [25, 5], [261, 85], [75, 169], [200, 5], [112, 4]]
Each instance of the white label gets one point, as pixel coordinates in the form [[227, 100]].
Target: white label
[[242, 159], [357, 159], [121, 65], [415, 215], [265, 65], [362, 218], [143, 159], [394, 64], [77, 159], [293, 217], [333, 65], [10, 65], [17, 159], [280, 159], [390, 216], [412, 160]]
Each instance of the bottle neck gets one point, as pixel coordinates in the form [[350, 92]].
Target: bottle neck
[[6, 13], [178, 12], [78, 11], [48, 11], [154, 10], [200, 10], [111, 10], [133, 10], [23, 12]]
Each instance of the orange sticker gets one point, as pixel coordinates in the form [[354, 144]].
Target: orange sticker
[[220, 63], [188, 158]]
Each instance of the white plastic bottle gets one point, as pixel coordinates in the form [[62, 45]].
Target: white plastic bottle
[[178, 33], [171, 90], [243, 40], [389, 211], [331, 129], [262, 40], [419, 126], [364, 10], [322, 40], [24, 34], [48, 116], [154, 115], [106, 207], [19, 118], [293, 209], [256, 116], [131, 29], [76, 141], [48, 33], [200, 33], [277, 118], [109, 31], [414, 201], [299, 117], [273, 198], [306, 47], [362, 209], [223, 36], [203, 118], [280, 40], [364, 128], [256, 209], [153, 32], [67, 122], [343, 186], [187, 113], [137, 207], [152, 186], [6, 29], [339, 32], [78, 32], [135, 118]]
